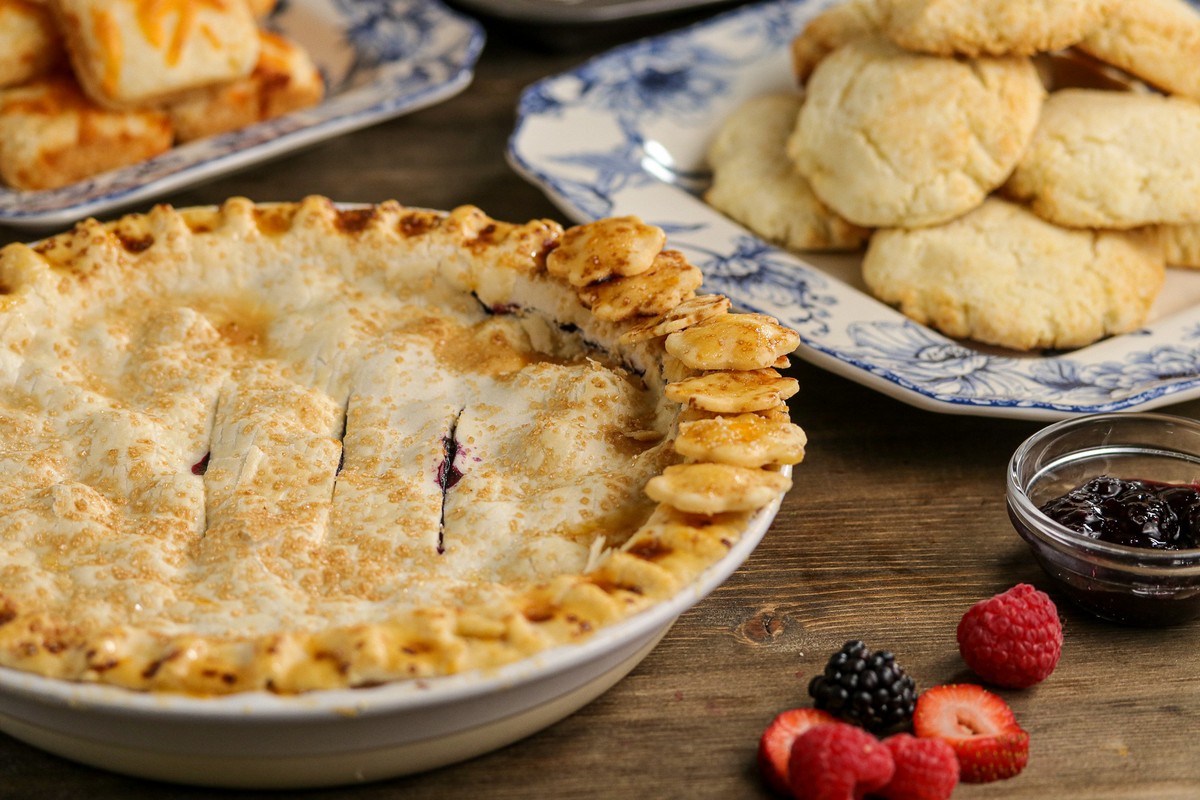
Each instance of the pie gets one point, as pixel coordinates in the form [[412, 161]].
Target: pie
[[300, 446]]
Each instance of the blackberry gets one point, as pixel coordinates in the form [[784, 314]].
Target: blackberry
[[868, 689]]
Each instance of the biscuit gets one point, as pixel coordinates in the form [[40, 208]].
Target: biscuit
[[829, 30], [1156, 40], [129, 53], [756, 184], [29, 42], [1181, 245], [51, 135], [1004, 276], [889, 138], [1112, 160], [990, 27], [284, 80]]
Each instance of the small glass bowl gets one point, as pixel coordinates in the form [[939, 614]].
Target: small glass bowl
[[1129, 585]]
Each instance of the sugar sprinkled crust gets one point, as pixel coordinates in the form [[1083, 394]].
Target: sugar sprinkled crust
[[292, 447]]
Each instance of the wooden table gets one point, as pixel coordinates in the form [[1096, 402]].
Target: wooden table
[[895, 526]]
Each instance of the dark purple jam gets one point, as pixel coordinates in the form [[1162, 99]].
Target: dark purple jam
[[1136, 513]]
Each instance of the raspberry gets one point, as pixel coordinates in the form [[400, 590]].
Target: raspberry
[[926, 769], [1013, 639], [838, 761]]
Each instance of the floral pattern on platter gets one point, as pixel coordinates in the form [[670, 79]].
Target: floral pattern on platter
[[379, 59], [625, 133]]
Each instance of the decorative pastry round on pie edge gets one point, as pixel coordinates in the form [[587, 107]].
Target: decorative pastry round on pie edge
[[297, 446]]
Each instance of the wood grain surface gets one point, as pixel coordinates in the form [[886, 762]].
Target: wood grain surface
[[895, 526]]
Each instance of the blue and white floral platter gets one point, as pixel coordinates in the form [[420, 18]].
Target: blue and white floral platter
[[626, 133], [379, 59]]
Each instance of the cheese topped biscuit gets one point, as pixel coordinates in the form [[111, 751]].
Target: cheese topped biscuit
[[138, 52], [51, 135], [284, 80], [29, 42]]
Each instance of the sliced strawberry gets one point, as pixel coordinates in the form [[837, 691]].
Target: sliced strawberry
[[775, 746], [979, 725]]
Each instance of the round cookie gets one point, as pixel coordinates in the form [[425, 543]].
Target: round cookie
[[1004, 276], [831, 29], [889, 138], [990, 27], [1103, 159], [755, 183], [1156, 40]]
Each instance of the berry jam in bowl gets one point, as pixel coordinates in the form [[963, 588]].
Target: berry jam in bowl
[[1110, 506]]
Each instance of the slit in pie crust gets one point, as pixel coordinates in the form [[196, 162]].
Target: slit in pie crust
[[295, 446]]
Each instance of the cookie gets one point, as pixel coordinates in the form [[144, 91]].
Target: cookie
[[1112, 160], [889, 138], [284, 80], [990, 27], [1181, 245], [29, 42], [130, 53], [51, 135], [1004, 276], [755, 183], [1156, 40], [831, 29]]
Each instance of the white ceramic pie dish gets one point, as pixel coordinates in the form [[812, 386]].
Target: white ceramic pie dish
[[346, 736]]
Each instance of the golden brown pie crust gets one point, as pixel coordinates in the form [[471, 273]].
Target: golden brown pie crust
[[219, 445]]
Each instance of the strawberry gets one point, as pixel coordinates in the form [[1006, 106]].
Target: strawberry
[[926, 769], [776, 744], [838, 762], [1013, 639], [979, 725]]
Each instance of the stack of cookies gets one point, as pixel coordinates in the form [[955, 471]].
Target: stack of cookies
[[87, 86], [1021, 172]]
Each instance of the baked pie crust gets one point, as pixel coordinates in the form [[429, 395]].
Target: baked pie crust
[[297, 446]]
